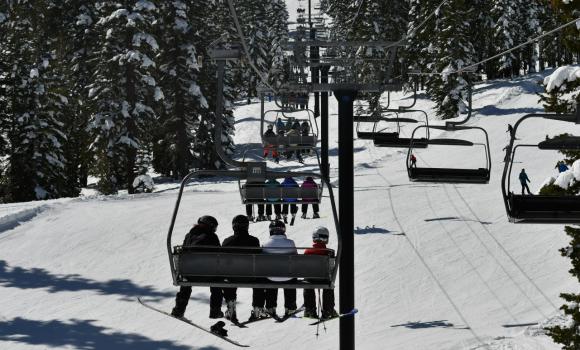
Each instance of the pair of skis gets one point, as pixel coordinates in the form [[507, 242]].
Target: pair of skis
[[225, 338]]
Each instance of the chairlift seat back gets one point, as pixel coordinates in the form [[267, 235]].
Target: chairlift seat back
[[263, 193], [290, 140], [544, 209], [450, 175], [561, 143]]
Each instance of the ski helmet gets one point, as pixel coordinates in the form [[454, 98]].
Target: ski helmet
[[277, 227], [240, 223], [320, 234], [209, 221]]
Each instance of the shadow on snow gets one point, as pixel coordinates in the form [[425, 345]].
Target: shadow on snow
[[36, 278], [81, 334]]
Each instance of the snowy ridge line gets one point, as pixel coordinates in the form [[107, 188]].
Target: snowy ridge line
[[14, 220], [495, 258], [443, 290], [466, 258], [507, 253]]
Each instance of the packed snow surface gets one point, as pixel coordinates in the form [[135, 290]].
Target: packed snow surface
[[437, 266]]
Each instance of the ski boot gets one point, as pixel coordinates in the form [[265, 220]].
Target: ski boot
[[303, 216], [278, 217], [216, 313], [285, 219], [316, 216], [272, 312], [231, 311], [310, 313], [218, 329], [326, 314], [250, 218], [257, 313], [269, 218]]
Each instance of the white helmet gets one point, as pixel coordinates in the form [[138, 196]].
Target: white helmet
[[320, 234]]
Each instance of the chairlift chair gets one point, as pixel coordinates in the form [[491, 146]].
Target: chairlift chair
[[394, 139], [541, 209], [291, 142], [449, 175], [249, 267]]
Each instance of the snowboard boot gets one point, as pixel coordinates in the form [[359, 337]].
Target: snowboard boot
[[216, 313], [316, 216], [310, 313], [231, 311], [218, 329], [303, 216], [326, 314]]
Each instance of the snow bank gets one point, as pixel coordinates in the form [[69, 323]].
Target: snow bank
[[561, 76], [576, 169], [564, 179], [13, 220]]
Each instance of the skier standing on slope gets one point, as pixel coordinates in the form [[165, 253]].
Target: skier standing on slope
[[320, 240], [279, 244], [413, 161], [202, 234], [524, 181], [242, 238]]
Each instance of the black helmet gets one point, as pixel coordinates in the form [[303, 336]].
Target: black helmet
[[277, 227], [240, 223], [209, 221]]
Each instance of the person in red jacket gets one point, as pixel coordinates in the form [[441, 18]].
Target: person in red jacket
[[413, 161], [320, 239]]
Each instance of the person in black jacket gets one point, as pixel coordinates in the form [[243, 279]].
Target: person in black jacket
[[242, 238], [202, 234]]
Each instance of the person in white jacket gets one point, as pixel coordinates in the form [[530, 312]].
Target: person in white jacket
[[279, 244]]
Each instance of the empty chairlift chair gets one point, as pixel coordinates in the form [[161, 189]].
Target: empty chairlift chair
[[394, 139], [546, 209], [450, 175], [249, 267]]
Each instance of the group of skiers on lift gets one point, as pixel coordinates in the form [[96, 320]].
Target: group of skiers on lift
[[264, 300], [292, 128], [281, 210]]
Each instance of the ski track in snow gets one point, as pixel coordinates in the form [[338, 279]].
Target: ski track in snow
[[437, 266]]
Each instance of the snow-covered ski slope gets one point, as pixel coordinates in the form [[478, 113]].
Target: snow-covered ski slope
[[437, 266]]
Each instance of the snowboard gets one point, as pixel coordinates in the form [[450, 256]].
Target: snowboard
[[192, 324], [346, 314]]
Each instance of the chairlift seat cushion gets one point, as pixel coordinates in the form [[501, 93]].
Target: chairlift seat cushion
[[451, 175]]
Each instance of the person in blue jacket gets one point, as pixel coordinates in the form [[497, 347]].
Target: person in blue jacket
[[289, 182], [280, 126], [561, 166], [524, 179], [272, 183]]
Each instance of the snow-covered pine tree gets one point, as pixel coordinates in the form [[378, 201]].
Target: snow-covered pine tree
[[277, 25], [4, 116], [562, 90], [216, 27], [78, 43], [451, 50], [504, 37], [370, 20], [35, 105], [419, 50], [123, 88], [184, 100]]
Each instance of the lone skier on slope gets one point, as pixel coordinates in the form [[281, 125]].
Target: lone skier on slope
[[242, 238], [279, 244], [524, 181], [320, 239], [202, 234]]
